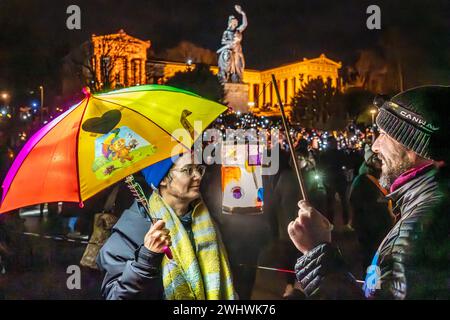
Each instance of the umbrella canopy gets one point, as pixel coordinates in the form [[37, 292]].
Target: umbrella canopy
[[103, 139]]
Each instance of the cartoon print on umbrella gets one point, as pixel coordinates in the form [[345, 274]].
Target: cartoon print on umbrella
[[114, 147], [119, 148]]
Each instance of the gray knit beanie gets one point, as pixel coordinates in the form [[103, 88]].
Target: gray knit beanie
[[418, 119]]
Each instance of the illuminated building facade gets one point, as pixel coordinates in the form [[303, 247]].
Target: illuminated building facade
[[106, 62], [120, 60], [262, 96]]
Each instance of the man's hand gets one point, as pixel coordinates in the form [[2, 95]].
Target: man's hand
[[157, 237], [310, 229]]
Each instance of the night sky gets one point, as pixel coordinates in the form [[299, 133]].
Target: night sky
[[34, 37]]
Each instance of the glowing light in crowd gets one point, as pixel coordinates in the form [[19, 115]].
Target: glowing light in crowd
[[23, 136]]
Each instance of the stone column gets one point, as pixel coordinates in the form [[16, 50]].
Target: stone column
[[143, 77]]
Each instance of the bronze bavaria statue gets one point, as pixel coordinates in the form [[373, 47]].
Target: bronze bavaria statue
[[231, 58]]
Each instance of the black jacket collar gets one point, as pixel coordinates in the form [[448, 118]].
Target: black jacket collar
[[416, 191]]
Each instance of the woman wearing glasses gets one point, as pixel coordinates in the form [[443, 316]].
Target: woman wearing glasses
[[133, 258]]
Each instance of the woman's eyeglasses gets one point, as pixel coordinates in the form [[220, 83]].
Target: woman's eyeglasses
[[189, 169]]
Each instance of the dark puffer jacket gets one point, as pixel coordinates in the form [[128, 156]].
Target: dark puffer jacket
[[131, 270], [412, 262]]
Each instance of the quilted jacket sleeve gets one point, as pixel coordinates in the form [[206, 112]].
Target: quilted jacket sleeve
[[322, 274]]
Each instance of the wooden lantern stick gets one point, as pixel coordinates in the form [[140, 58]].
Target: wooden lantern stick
[[291, 145]]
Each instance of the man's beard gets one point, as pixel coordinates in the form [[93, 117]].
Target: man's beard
[[390, 173]]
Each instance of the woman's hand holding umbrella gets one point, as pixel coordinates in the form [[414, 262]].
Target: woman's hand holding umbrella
[[157, 238]]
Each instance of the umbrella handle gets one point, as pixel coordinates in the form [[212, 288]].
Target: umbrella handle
[[168, 252], [140, 197]]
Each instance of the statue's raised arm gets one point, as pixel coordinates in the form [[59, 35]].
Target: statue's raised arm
[[231, 60], [244, 24]]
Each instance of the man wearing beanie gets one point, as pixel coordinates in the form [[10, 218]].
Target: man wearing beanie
[[133, 259], [412, 261]]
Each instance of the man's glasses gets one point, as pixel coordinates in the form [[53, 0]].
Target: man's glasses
[[189, 169]]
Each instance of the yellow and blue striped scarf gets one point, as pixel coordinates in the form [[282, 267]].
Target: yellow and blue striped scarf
[[203, 274]]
